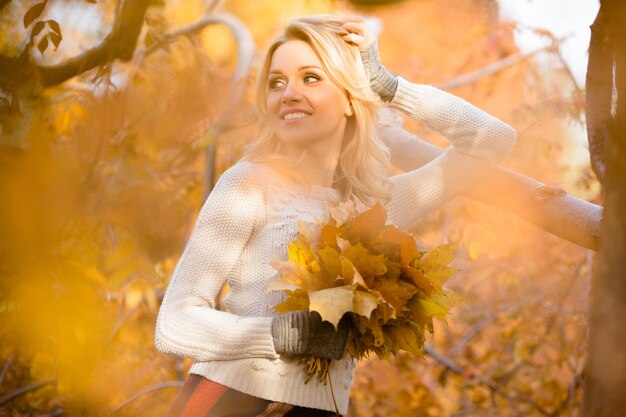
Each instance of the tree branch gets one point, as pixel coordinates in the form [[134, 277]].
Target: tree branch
[[152, 388], [12, 395], [495, 67], [243, 38], [120, 43], [549, 208]]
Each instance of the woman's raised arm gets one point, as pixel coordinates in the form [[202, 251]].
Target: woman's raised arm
[[479, 141]]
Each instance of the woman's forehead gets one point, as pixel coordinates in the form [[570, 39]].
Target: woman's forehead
[[294, 54]]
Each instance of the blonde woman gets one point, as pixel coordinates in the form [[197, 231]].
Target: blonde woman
[[317, 94]]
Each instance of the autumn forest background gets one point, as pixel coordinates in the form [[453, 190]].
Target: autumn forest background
[[103, 173]]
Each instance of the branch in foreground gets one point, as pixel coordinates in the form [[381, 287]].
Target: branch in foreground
[[549, 208], [120, 43], [152, 388], [24, 390]]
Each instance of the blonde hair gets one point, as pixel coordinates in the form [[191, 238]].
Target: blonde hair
[[364, 162]]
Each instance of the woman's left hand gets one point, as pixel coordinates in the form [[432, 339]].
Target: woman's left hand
[[381, 81], [360, 34]]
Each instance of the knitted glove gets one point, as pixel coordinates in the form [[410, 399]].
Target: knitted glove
[[304, 333], [382, 81]]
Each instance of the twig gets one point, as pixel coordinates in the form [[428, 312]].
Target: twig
[[495, 67], [6, 366], [152, 388], [12, 395], [489, 383]]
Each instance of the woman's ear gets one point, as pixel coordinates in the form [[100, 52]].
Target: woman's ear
[[349, 112]]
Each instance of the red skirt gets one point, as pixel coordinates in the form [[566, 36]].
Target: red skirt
[[201, 397]]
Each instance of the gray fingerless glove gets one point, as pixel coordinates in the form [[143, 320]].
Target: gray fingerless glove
[[304, 333], [382, 81]]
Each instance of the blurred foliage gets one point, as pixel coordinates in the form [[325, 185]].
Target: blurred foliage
[[100, 196]]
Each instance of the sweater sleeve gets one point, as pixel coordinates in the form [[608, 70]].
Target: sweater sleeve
[[478, 140], [188, 324]]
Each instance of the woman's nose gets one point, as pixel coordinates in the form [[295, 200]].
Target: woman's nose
[[291, 92]]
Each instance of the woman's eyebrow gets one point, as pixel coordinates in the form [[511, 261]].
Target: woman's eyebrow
[[299, 69]]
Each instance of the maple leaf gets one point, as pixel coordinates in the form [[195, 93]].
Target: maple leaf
[[441, 255], [330, 233], [418, 278], [368, 224], [330, 263], [343, 212], [408, 248], [302, 254], [369, 265], [396, 293], [297, 300], [332, 303], [296, 274], [404, 336], [365, 303], [350, 273], [438, 306]]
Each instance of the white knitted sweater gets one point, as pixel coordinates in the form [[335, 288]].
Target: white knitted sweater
[[249, 218]]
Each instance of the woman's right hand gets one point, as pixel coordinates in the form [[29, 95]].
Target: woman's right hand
[[382, 81], [302, 332]]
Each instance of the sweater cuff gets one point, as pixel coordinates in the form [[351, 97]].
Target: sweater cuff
[[259, 332], [409, 97]]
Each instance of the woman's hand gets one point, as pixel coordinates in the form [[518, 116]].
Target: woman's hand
[[360, 34], [382, 81], [302, 332]]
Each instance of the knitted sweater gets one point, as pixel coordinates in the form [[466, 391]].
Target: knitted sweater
[[250, 217]]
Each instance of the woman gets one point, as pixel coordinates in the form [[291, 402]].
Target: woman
[[317, 94]]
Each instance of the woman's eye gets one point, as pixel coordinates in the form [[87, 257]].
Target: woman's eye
[[275, 83], [311, 78]]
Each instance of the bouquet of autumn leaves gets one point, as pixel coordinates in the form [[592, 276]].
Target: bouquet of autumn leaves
[[358, 265]]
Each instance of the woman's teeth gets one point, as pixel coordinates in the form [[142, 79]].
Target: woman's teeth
[[298, 115]]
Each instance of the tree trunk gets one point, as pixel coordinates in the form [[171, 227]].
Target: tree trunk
[[605, 371]]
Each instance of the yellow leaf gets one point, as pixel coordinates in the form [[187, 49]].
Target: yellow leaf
[[295, 274], [368, 265], [396, 293], [330, 234], [304, 233], [330, 262], [365, 303], [408, 248], [438, 306], [343, 212], [418, 278], [332, 303], [301, 254], [441, 255], [297, 300], [404, 337], [351, 275], [439, 275], [368, 224]]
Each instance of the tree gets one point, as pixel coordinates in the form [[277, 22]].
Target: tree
[[605, 373]]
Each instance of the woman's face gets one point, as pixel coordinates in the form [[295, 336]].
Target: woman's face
[[304, 107]]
